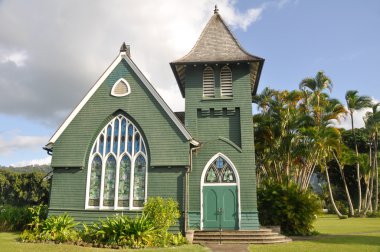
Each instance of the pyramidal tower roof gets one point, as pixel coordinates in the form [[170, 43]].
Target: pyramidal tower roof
[[216, 44]]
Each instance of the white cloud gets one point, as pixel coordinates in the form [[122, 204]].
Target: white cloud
[[10, 142], [237, 19], [16, 57], [345, 122], [41, 161], [68, 44]]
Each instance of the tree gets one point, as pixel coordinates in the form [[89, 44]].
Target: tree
[[343, 157], [372, 123], [328, 141], [356, 102], [316, 85]]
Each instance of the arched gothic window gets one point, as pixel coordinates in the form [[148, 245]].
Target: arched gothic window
[[226, 81], [220, 171], [117, 169], [208, 82]]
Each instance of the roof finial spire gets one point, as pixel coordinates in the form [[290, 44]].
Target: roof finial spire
[[216, 10], [125, 48]]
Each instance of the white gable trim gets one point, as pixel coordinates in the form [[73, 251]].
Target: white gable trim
[[120, 57]]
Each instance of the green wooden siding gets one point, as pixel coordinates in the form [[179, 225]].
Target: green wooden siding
[[68, 193], [222, 125], [167, 145]]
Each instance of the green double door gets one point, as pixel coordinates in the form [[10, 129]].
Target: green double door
[[220, 207]]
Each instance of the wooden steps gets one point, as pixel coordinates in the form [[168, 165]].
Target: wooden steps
[[261, 236]]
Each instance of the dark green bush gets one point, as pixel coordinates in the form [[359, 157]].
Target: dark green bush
[[287, 206], [23, 189], [14, 218], [342, 207]]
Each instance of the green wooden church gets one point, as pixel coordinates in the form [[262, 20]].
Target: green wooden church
[[122, 144]]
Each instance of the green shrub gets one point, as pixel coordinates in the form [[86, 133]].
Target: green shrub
[[14, 218], [164, 239], [120, 231], [287, 206], [162, 212], [55, 228], [342, 207], [39, 214], [111, 231], [59, 229], [141, 232]]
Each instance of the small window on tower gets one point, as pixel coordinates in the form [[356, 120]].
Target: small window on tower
[[208, 82], [226, 81], [121, 88]]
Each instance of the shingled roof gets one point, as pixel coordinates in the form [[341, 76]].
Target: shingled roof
[[216, 44]]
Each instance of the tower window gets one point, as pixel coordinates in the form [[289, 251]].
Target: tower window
[[226, 81], [208, 82]]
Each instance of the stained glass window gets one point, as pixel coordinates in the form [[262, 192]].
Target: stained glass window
[[108, 142], [130, 134], [137, 142], [139, 182], [220, 171], [101, 144], [95, 180], [115, 136], [109, 182], [119, 150], [123, 135], [124, 181]]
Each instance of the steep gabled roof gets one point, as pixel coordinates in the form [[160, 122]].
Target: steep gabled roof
[[216, 44], [123, 55]]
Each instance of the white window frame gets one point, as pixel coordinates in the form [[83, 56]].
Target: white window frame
[[118, 156], [115, 85]]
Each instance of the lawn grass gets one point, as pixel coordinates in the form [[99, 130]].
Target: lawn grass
[[353, 234], [9, 243]]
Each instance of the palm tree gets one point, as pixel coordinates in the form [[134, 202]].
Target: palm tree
[[327, 142], [345, 156], [317, 85], [356, 102], [372, 122]]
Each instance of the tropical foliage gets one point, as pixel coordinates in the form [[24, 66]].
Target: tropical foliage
[[147, 230], [288, 206], [296, 136]]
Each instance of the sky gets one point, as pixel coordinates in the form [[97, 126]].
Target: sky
[[52, 52]]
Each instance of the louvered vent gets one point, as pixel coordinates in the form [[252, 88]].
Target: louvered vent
[[208, 82], [120, 88], [226, 81]]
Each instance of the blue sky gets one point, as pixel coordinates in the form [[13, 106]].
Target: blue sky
[[52, 52]]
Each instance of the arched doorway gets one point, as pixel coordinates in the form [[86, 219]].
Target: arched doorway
[[220, 195]]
